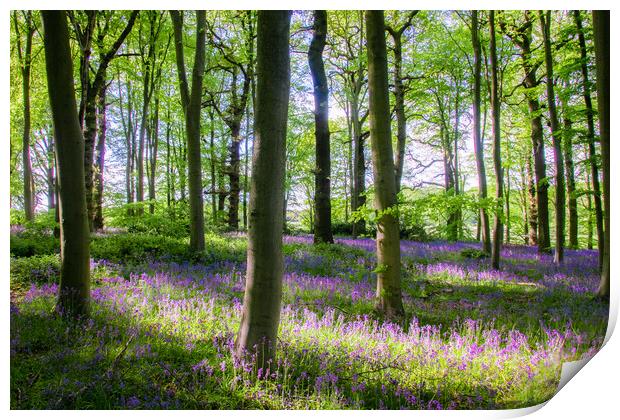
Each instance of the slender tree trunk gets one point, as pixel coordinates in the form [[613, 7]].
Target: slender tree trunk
[[533, 205], [214, 207], [50, 174], [399, 98], [507, 201], [478, 147], [192, 103], [524, 39], [154, 146], [497, 156], [322, 173], [389, 298], [596, 186], [233, 176], [146, 100], [600, 19], [74, 289], [560, 192], [573, 215], [25, 59], [263, 288], [589, 201], [359, 166], [245, 169], [100, 160]]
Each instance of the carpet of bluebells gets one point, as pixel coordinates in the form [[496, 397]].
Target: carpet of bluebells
[[161, 332]]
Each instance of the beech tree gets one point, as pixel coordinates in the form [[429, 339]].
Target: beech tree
[[74, 289], [389, 297], [191, 101], [478, 146], [24, 56], [594, 172], [322, 174], [263, 285], [497, 155], [560, 198], [600, 19]]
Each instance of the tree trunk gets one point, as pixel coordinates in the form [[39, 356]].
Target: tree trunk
[[214, 207], [74, 289], [100, 160], [600, 20], [359, 167], [478, 147], [596, 186], [560, 193], [524, 39], [233, 175], [497, 156], [389, 299], [153, 146], [51, 182], [399, 98], [533, 213], [322, 173], [191, 106], [589, 201], [263, 288], [573, 215], [25, 59]]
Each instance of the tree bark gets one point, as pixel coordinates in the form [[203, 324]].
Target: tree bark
[[594, 175], [497, 156], [100, 159], [573, 215], [25, 60], [74, 289], [533, 209], [399, 97], [322, 173], [478, 147], [191, 106], [600, 19], [523, 39], [263, 288], [389, 299], [90, 110], [153, 147], [560, 192]]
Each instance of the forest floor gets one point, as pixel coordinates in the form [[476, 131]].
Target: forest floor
[[163, 325]]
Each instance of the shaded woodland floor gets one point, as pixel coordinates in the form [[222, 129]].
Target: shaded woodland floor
[[163, 324]]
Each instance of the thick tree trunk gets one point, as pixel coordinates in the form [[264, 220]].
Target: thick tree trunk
[[389, 299], [560, 193], [322, 173], [497, 156], [596, 186], [600, 19], [100, 160], [263, 288], [191, 106], [74, 289], [478, 147]]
